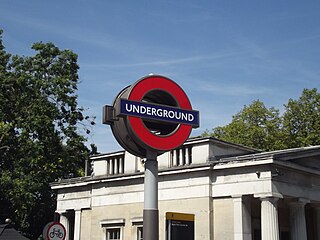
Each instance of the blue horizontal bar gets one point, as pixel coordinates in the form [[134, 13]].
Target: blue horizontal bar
[[159, 112]]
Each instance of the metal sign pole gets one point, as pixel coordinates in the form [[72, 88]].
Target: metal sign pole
[[150, 211], [137, 112]]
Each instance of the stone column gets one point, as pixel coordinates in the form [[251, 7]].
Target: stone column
[[241, 218], [318, 222], [269, 218], [65, 222], [77, 224], [298, 227]]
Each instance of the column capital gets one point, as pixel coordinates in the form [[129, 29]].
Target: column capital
[[300, 202], [240, 198], [236, 197], [61, 212], [303, 200], [272, 200], [268, 195]]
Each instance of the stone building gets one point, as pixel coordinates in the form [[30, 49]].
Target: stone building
[[233, 192]]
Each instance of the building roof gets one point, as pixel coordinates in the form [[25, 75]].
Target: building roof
[[7, 232], [284, 155], [306, 157], [220, 141]]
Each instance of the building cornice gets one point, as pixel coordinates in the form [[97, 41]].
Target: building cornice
[[85, 181]]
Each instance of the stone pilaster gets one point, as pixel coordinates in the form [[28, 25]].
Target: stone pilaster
[[241, 218], [77, 224], [65, 222]]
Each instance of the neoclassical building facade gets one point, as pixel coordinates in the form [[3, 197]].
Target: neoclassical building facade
[[231, 191]]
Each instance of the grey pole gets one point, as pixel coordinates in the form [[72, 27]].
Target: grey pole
[[150, 211]]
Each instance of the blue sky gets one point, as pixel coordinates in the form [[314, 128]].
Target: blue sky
[[224, 54]]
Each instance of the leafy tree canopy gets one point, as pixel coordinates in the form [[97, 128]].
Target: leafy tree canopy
[[42, 132], [262, 128], [301, 120]]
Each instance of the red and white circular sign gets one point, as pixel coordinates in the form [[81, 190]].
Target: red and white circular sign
[[54, 231], [152, 115], [173, 140]]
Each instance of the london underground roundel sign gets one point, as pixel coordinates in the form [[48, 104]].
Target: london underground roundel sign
[[154, 114]]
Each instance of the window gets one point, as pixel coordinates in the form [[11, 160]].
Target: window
[[137, 224], [139, 233], [113, 233], [113, 228], [115, 165], [181, 156]]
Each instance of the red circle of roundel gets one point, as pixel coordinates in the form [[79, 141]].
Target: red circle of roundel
[[182, 132]]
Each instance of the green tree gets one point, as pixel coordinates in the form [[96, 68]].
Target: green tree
[[259, 127], [41, 127], [301, 120], [254, 126]]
